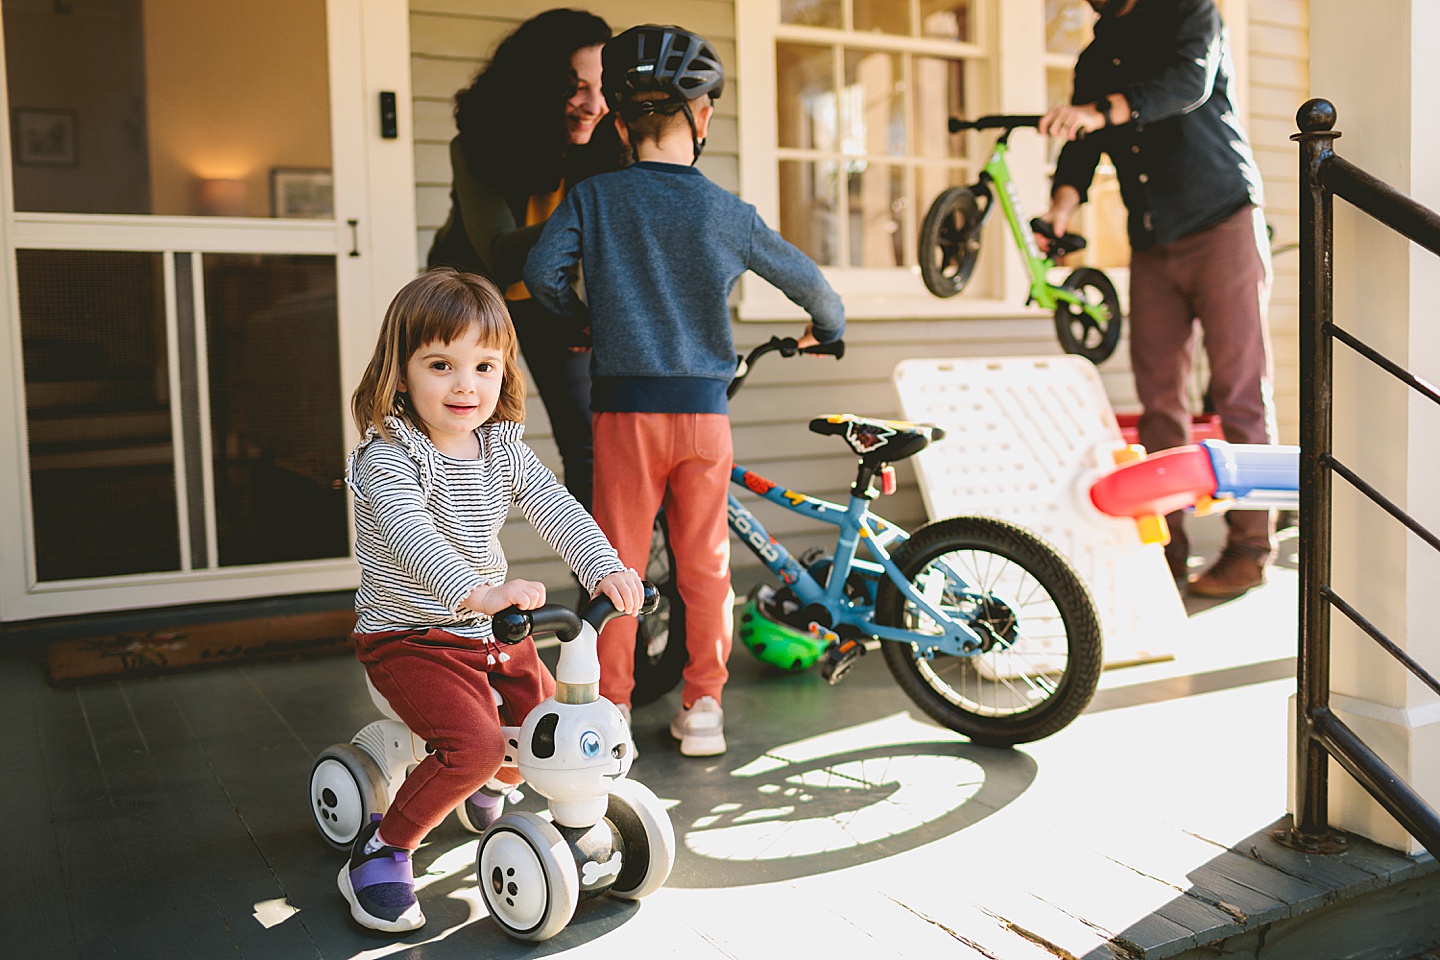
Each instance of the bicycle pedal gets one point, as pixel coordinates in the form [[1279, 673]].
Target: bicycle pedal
[[839, 657]]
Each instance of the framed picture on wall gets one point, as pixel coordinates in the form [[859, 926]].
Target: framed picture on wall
[[45, 138], [302, 192]]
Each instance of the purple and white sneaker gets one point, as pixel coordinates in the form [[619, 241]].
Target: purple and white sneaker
[[484, 806], [380, 886]]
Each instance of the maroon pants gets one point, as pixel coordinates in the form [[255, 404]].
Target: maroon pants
[[1216, 281], [440, 684]]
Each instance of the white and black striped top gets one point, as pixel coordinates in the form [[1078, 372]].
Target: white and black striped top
[[427, 526]]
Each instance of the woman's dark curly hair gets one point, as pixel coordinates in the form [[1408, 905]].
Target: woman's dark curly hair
[[512, 116]]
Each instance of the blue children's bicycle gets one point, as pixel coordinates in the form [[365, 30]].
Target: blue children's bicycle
[[981, 622]]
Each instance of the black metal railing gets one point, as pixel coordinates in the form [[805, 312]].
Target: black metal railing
[[1321, 734]]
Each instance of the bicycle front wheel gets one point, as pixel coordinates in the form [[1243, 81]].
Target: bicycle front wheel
[[1086, 334], [1042, 653]]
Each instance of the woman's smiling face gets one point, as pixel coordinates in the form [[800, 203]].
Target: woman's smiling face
[[586, 105], [453, 389]]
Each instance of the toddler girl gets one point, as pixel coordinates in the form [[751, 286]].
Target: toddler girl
[[440, 463]]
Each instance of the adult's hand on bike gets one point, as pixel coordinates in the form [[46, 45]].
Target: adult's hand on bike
[[1062, 206], [808, 338], [1071, 122]]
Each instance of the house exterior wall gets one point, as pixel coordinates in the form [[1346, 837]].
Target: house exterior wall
[[451, 38]]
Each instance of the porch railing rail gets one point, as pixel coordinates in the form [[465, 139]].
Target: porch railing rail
[[1320, 733]]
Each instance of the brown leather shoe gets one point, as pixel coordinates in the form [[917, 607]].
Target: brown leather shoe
[[1229, 576]]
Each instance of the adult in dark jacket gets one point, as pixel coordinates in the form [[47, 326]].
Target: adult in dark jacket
[[1153, 91], [532, 124]]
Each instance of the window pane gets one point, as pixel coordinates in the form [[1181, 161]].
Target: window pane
[[811, 13], [276, 408], [945, 19], [810, 208], [1067, 25], [939, 94], [873, 111], [805, 97], [97, 409], [882, 16], [127, 106], [877, 215]]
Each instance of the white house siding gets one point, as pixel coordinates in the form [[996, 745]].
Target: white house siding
[[451, 38], [1279, 81]]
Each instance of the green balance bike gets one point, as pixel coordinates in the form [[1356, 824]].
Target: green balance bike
[[1086, 308]]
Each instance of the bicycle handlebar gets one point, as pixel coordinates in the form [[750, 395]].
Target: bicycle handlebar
[[1003, 121], [512, 624], [786, 347]]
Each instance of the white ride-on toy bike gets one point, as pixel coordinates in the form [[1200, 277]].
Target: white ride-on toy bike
[[607, 834]]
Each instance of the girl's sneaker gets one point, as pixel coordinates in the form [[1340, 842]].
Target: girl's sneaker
[[380, 885], [700, 728], [484, 806]]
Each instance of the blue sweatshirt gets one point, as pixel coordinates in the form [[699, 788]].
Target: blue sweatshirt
[[662, 248]]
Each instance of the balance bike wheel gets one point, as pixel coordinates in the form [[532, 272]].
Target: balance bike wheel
[[346, 787], [527, 876], [950, 242], [1078, 332], [644, 826]]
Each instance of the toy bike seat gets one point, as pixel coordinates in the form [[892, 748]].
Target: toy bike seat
[[878, 441], [1061, 245]]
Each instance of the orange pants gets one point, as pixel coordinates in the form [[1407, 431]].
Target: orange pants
[[680, 460]]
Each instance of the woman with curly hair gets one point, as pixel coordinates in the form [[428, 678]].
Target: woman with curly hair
[[532, 124]]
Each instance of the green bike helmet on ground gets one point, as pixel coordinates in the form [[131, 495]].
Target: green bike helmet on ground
[[773, 642]]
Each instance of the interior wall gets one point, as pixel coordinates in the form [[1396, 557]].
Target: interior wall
[[213, 115], [77, 80]]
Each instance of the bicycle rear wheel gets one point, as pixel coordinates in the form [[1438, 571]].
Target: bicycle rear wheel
[[950, 242], [660, 654], [1042, 658], [1079, 332]]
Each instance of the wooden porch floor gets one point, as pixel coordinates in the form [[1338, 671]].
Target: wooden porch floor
[[167, 818]]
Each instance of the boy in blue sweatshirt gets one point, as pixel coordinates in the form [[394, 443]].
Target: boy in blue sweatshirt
[[662, 248]]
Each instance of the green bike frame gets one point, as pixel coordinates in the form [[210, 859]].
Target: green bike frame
[[1037, 265]]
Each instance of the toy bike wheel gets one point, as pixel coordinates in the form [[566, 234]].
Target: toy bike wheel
[[527, 876], [660, 653], [1041, 659], [644, 826], [1079, 332], [950, 242], [346, 786]]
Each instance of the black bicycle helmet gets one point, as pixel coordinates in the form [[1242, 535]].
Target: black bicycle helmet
[[681, 65], [672, 60]]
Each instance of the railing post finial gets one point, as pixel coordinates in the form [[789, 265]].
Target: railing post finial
[[1315, 116]]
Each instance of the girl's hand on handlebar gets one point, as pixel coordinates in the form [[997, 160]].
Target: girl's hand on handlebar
[[490, 600], [625, 589]]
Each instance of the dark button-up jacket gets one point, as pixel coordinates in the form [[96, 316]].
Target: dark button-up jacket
[[1183, 162]]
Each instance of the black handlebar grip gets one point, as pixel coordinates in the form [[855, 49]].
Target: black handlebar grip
[[835, 348], [651, 603], [511, 625]]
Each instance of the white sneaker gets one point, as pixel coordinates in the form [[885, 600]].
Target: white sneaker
[[700, 729]]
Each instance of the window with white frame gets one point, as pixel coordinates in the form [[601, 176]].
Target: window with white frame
[[853, 147], [863, 89]]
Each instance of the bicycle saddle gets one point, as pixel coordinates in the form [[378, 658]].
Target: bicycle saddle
[[1061, 245], [878, 441]]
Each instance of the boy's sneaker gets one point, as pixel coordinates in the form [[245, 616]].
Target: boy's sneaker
[[484, 806], [700, 728], [380, 885]]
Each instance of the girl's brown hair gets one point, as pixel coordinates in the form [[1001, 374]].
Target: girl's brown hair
[[440, 305]]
